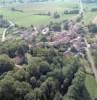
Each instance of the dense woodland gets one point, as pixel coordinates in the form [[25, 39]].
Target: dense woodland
[[48, 75]]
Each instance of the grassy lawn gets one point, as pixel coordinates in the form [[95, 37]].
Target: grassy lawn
[[91, 86], [24, 19], [36, 20], [89, 16]]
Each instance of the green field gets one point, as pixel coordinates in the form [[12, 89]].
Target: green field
[[23, 19], [89, 16], [91, 86], [26, 18]]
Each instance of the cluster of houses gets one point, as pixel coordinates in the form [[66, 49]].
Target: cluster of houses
[[55, 38], [29, 33]]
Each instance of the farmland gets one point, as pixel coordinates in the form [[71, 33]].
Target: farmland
[[30, 13]]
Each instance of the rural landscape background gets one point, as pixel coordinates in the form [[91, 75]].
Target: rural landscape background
[[48, 49]]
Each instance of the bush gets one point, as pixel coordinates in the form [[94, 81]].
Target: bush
[[56, 15], [72, 11], [55, 27], [94, 9], [92, 28]]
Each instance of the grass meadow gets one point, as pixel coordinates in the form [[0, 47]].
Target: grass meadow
[[29, 15], [91, 86]]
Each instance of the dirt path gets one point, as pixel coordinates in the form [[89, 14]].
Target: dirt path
[[90, 59], [5, 31]]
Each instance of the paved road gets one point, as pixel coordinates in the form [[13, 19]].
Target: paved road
[[90, 59], [5, 31]]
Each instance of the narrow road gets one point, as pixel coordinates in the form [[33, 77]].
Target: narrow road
[[5, 31], [90, 59], [18, 66]]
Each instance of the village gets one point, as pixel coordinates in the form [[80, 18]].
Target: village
[[48, 50], [52, 38]]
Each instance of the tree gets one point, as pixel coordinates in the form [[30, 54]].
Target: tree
[[1, 17], [56, 15], [33, 82], [33, 68], [44, 40], [92, 28], [3, 23], [5, 64], [21, 89], [58, 96], [30, 96], [37, 93], [20, 75], [55, 27], [76, 89], [10, 47], [66, 25], [44, 67], [6, 88]]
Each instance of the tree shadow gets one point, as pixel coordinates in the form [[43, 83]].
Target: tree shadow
[[85, 95]]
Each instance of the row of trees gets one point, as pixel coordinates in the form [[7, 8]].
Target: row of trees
[[73, 11], [89, 1], [3, 22], [92, 28], [75, 91], [10, 47], [94, 9], [5, 64]]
